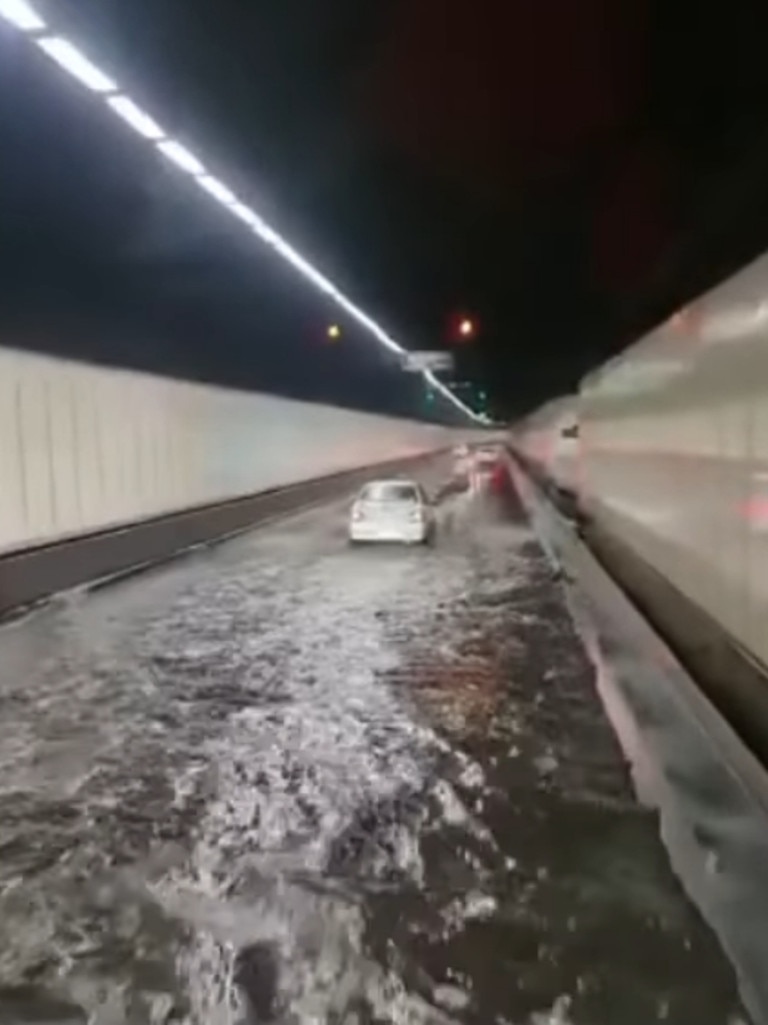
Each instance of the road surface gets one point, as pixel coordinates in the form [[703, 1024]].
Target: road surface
[[283, 780]]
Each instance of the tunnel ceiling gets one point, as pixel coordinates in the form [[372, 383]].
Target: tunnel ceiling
[[566, 176]]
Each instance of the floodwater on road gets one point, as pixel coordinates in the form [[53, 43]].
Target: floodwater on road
[[287, 781]]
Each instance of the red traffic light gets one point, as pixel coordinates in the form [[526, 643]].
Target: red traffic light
[[463, 328]]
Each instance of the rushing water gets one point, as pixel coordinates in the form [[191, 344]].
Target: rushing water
[[285, 781]]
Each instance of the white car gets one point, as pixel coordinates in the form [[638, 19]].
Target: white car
[[392, 510]]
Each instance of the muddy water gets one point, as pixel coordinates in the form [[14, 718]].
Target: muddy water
[[287, 781]]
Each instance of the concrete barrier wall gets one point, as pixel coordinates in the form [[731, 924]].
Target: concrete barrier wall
[[674, 447], [86, 448]]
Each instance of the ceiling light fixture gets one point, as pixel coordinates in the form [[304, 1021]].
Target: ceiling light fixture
[[134, 116], [70, 58], [220, 192], [22, 15], [181, 157]]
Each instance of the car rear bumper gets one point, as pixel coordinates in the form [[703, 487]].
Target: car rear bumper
[[364, 533]]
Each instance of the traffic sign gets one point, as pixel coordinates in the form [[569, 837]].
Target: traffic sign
[[437, 362]]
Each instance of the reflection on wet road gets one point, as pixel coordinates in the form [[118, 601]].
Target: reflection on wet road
[[288, 781]]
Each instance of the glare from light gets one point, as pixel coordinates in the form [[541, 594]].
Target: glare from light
[[181, 156], [334, 331], [136, 118], [466, 327], [76, 64], [20, 14], [220, 192]]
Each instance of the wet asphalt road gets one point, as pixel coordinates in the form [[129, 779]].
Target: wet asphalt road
[[285, 780]]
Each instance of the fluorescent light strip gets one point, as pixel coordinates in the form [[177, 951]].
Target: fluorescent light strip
[[305, 267], [181, 157], [22, 15], [217, 189], [265, 233], [134, 116], [76, 64], [246, 215], [436, 383], [371, 325]]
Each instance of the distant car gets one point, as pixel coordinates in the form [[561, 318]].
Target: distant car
[[485, 466], [460, 467], [485, 461], [392, 510]]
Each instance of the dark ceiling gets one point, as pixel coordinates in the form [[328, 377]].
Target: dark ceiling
[[566, 170]]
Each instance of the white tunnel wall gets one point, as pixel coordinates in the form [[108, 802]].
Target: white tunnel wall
[[84, 448], [674, 452]]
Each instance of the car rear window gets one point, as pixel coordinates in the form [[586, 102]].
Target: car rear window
[[390, 493]]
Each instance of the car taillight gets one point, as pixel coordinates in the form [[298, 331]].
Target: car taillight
[[358, 513], [415, 515]]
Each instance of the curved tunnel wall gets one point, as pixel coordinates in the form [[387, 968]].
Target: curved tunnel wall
[[546, 438], [86, 448], [673, 453]]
